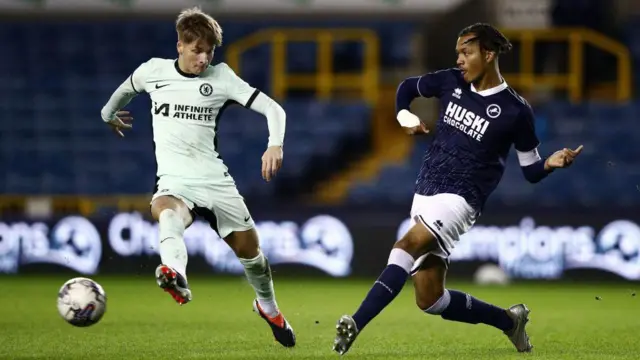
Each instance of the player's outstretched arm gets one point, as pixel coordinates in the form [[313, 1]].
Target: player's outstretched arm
[[276, 123], [535, 168], [251, 98], [410, 123], [428, 85], [111, 113]]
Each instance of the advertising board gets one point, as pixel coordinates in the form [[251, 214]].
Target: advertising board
[[337, 243]]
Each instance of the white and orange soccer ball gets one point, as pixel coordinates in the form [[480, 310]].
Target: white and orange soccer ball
[[82, 302]]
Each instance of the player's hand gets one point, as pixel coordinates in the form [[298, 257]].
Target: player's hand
[[562, 158], [416, 130], [122, 121], [271, 162]]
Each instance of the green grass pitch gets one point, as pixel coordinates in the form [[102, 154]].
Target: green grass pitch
[[567, 322]]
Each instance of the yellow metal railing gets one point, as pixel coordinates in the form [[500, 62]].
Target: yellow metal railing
[[324, 81], [577, 38], [75, 204]]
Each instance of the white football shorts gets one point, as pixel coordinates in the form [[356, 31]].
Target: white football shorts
[[218, 203], [446, 216]]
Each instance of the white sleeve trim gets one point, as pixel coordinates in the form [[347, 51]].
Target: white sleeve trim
[[418, 86], [526, 158], [407, 119], [276, 117]]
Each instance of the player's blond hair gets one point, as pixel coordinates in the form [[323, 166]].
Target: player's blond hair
[[193, 25]]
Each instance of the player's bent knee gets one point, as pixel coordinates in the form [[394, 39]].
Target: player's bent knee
[[164, 203], [417, 241], [244, 244], [429, 297], [171, 224], [434, 303], [169, 216], [176, 207]]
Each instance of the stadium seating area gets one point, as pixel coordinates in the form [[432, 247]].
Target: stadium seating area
[[606, 172], [632, 39], [81, 155], [51, 93], [53, 141]]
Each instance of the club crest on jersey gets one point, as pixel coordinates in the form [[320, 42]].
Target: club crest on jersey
[[457, 93], [206, 89], [466, 121], [493, 111]]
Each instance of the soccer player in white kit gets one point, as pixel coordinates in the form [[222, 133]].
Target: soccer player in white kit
[[189, 96]]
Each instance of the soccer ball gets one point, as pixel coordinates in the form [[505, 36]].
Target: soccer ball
[[81, 302]]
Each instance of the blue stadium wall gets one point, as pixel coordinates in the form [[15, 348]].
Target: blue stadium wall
[[53, 142]]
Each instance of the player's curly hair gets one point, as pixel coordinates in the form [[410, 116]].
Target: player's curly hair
[[193, 24], [489, 38]]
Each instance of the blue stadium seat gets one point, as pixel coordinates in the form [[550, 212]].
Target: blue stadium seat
[[632, 40], [53, 140], [605, 172]]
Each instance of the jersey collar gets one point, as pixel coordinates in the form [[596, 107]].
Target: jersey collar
[[182, 72], [487, 92]]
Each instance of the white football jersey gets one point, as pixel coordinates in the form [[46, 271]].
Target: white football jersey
[[185, 112]]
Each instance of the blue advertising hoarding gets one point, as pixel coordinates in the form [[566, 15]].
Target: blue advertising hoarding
[[329, 242]]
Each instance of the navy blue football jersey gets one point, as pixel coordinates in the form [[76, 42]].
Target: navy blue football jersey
[[475, 131]]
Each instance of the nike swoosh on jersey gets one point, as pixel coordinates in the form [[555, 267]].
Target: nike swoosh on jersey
[[161, 86]]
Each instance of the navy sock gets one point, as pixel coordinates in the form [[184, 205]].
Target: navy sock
[[383, 291], [465, 308]]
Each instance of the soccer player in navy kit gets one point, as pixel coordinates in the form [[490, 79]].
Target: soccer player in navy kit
[[480, 118]]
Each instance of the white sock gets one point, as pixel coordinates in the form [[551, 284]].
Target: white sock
[[258, 273], [401, 258], [173, 251], [441, 305]]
